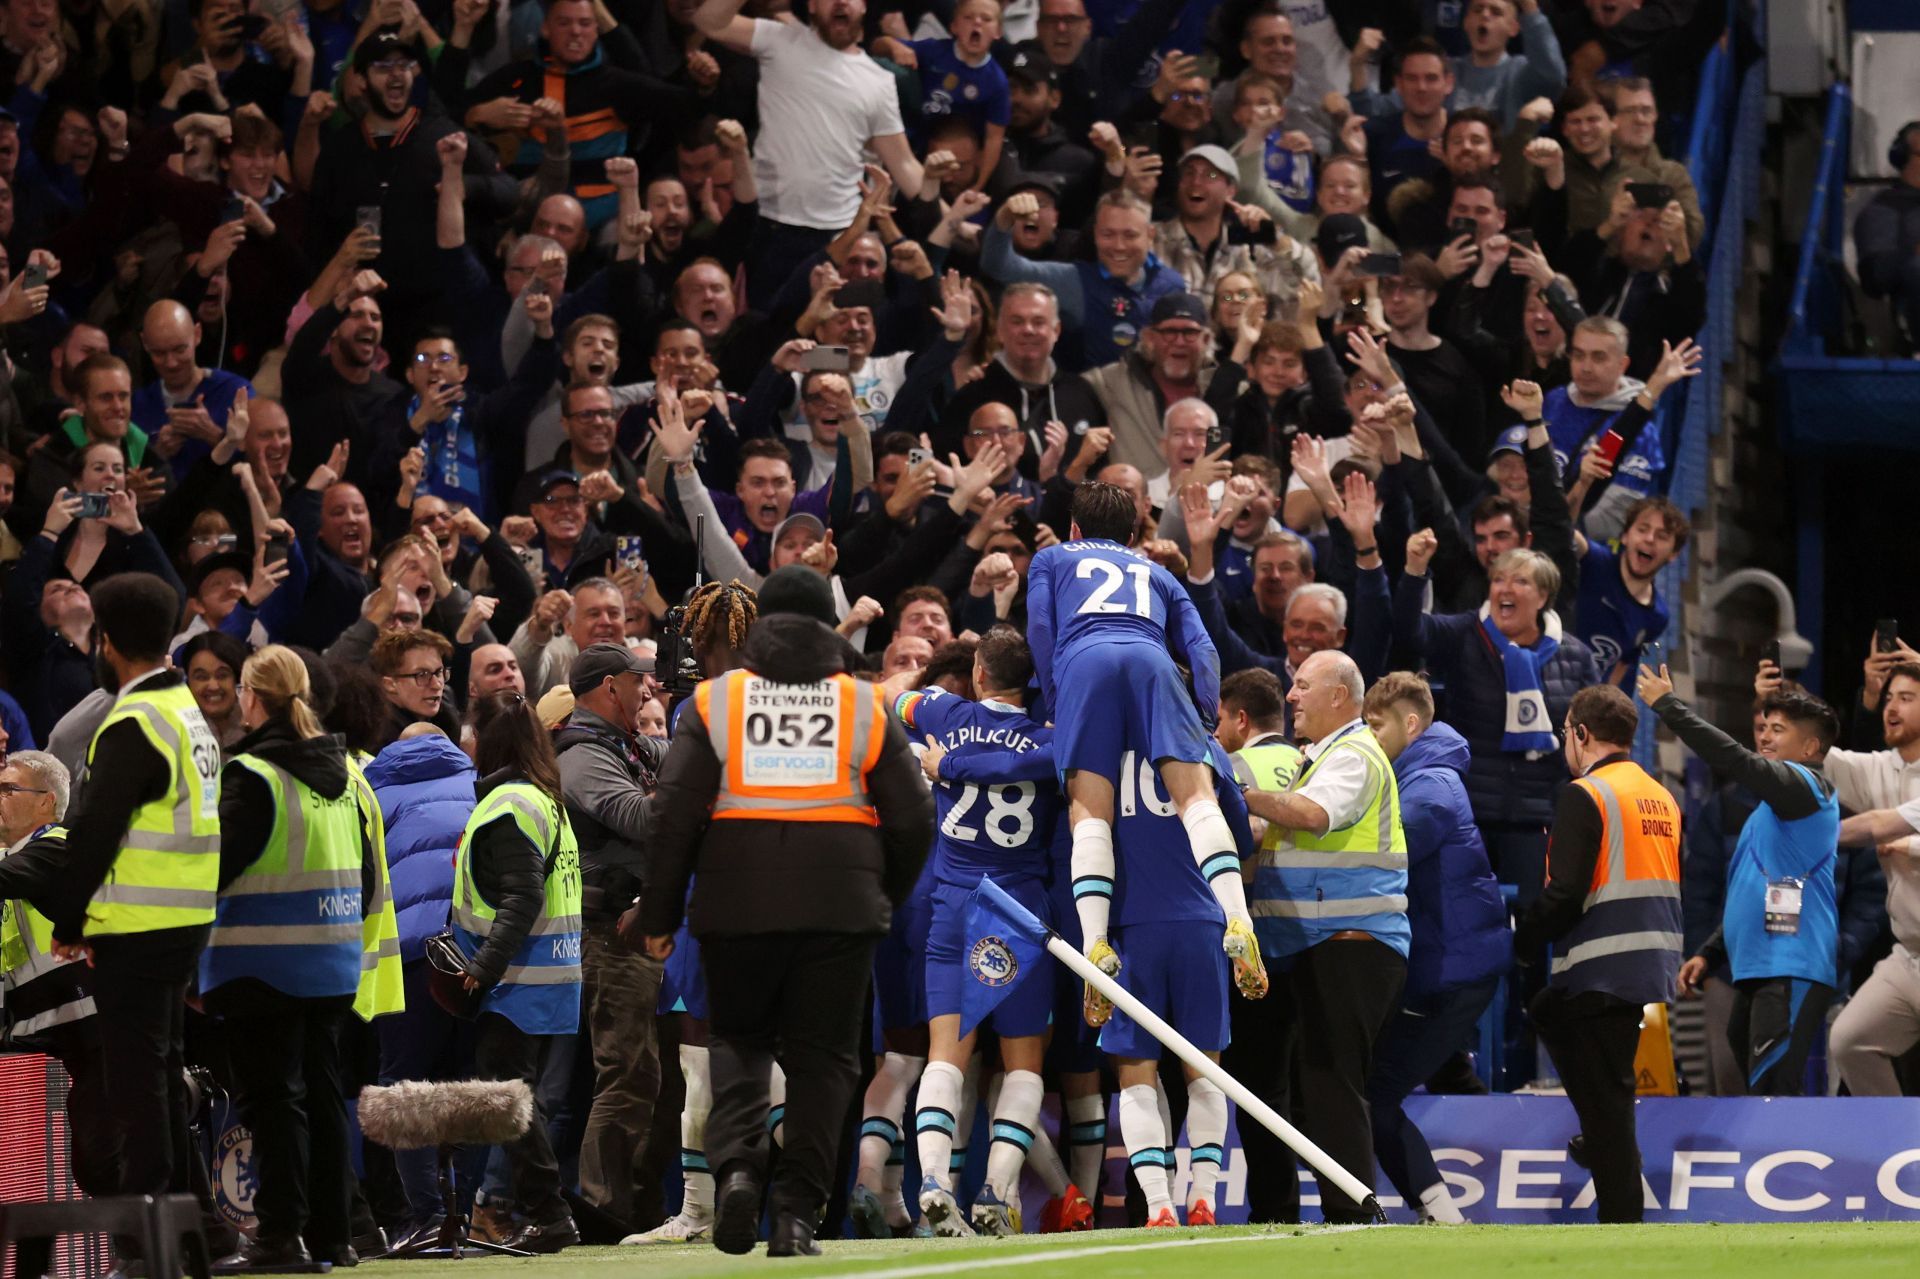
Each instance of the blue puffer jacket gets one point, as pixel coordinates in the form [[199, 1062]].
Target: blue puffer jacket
[[1505, 786], [425, 787], [1453, 901]]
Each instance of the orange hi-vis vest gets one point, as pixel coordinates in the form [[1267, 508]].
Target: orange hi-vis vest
[[1628, 943], [793, 752]]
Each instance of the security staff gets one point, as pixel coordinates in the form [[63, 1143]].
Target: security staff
[[1331, 892], [1252, 727], [1611, 908], [516, 917], [144, 867], [607, 771], [49, 1001], [1780, 925], [282, 966], [794, 804]]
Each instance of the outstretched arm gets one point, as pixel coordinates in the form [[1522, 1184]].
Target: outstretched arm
[[720, 20]]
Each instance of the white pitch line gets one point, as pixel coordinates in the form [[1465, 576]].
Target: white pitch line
[[1057, 1255]]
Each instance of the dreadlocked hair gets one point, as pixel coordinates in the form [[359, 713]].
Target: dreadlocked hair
[[720, 614]]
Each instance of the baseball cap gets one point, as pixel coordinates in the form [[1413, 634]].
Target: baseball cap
[[1180, 306], [799, 519], [555, 705], [1031, 63], [598, 662], [384, 46], [1512, 440], [1217, 157], [553, 478], [197, 576], [797, 589], [1339, 232], [1038, 180]]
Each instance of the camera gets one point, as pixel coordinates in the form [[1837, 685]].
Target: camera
[[674, 665]]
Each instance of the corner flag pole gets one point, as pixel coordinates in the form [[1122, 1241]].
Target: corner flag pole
[[1321, 1162]]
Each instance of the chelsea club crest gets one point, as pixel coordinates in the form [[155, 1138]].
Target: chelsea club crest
[[992, 962]]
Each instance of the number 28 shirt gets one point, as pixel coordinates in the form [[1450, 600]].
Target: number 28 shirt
[[1002, 829]]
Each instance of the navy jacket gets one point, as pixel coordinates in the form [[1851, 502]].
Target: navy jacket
[[1505, 786], [426, 790], [1459, 919]]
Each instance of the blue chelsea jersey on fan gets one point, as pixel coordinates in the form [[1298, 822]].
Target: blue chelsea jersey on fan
[[1155, 878], [1000, 822]]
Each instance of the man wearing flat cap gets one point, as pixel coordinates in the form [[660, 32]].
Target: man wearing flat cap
[[607, 773]]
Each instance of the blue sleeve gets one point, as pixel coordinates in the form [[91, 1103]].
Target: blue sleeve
[[1188, 640], [1545, 75], [14, 720], [238, 623], [281, 613], [1002, 262], [998, 100], [144, 555], [1370, 635], [1040, 619], [1235, 654], [923, 710], [1703, 876], [1419, 814], [997, 766]]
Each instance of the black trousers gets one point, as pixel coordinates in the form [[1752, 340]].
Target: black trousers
[[798, 998], [1346, 992], [504, 1051], [1593, 1038], [93, 1139], [1260, 1055], [286, 1077], [1772, 1028], [140, 988]]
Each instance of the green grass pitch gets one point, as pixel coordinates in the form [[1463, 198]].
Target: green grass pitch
[[1856, 1250]]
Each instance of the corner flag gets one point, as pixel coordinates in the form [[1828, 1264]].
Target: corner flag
[[1005, 943]]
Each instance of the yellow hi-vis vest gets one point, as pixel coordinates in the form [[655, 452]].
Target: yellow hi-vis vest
[[42, 991], [382, 978]]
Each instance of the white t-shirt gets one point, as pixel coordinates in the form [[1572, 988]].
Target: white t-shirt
[[1321, 63], [818, 109]]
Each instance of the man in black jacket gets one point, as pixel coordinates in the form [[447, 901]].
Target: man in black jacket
[[792, 894], [606, 774]]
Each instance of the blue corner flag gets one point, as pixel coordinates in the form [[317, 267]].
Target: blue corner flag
[[1005, 944]]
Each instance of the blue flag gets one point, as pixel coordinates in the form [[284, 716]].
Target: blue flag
[[1005, 944]]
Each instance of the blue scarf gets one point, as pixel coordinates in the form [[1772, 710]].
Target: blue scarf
[[453, 462], [1529, 727]]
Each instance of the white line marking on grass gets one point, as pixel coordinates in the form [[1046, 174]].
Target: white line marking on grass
[[1062, 1254]]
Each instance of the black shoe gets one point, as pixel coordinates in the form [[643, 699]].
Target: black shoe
[[736, 1216], [551, 1236], [792, 1237], [268, 1255], [371, 1244], [343, 1256], [1577, 1149]]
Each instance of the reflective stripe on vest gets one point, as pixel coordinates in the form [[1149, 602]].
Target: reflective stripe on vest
[[167, 872], [382, 978], [540, 990], [1353, 878], [42, 991], [1628, 942], [293, 918], [793, 752]]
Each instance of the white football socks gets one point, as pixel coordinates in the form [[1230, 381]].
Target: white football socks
[[1016, 1118], [697, 1178], [1214, 852], [777, 1105], [1092, 866], [1086, 1141], [937, 1120], [1145, 1133], [1206, 1137]]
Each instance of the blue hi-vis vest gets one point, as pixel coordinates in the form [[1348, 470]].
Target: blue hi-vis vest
[[1772, 848], [540, 990], [293, 918], [1353, 878]]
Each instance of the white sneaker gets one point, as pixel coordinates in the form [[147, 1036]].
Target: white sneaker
[[680, 1229]]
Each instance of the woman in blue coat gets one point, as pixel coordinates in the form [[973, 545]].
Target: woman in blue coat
[[1461, 942]]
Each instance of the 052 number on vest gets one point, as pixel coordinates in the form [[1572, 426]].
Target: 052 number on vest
[[792, 735]]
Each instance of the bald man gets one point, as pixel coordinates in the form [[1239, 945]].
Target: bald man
[[996, 423], [184, 409]]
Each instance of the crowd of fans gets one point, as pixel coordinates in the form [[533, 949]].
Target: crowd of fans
[[448, 340]]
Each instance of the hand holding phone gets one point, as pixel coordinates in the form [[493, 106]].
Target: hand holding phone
[[1608, 446], [1886, 635], [1380, 265]]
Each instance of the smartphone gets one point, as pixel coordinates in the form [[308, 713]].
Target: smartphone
[[1025, 529], [233, 209], [626, 552], [368, 216], [832, 359], [1457, 227], [1886, 635], [535, 564], [1609, 445], [1522, 237], [33, 277], [1653, 654], [275, 551], [917, 457], [224, 543], [251, 25], [94, 506], [1650, 195], [538, 286], [1381, 265], [1207, 65], [1770, 652]]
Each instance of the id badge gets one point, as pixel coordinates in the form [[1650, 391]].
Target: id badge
[[1783, 906]]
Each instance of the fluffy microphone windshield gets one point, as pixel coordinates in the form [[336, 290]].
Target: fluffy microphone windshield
[[474, 1112]]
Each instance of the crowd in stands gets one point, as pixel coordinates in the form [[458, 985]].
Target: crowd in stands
[[447, 339]]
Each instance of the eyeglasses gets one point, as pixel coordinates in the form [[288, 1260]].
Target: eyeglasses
[[594, 415], [1182, 97], [438, 675], [575, 500], [1640, 113], [21, 790], [434, 357], [994, 433], [1238, 295], [1183, 333], [392, 66], [225, 541]]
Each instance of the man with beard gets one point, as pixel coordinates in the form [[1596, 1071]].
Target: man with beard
[[722, 234], [1023, 376], [562, 626], [335, 390], [737, 343], [1205, 244], [391, 161], [1172, 362], [1036, 143], [823, 104]]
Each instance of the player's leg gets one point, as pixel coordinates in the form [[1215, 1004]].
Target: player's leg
[[1190, 786], [1090, 809], [777, 1104], [1206, 1142], [1086, 1123], [1144, 1131], [695, 1217], [936, 1121], [1016, 1119], [879, 1205]]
